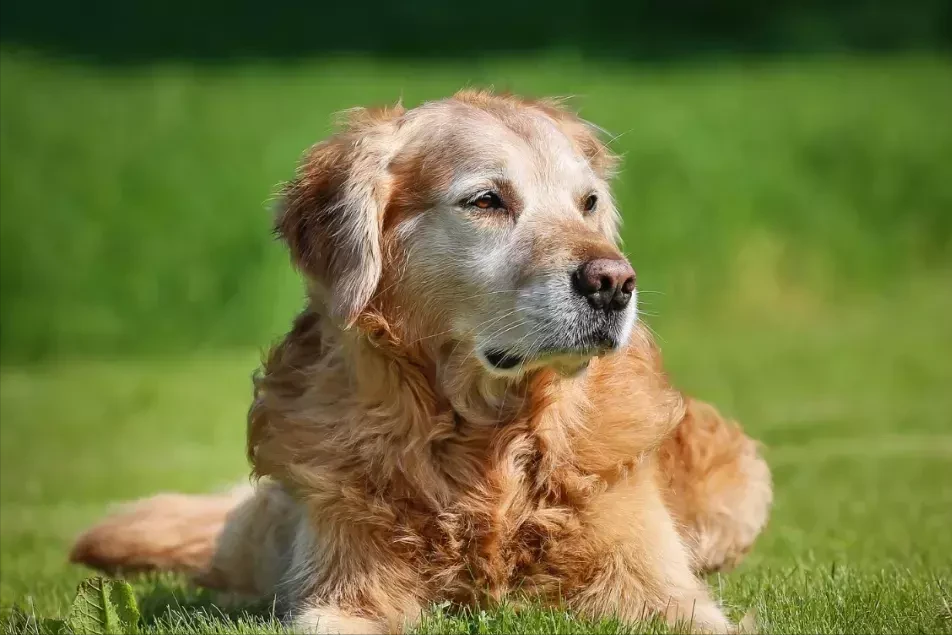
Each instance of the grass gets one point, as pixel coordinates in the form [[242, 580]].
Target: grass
[[792, 228]]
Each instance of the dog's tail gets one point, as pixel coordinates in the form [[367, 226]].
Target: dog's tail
[[233, 541]]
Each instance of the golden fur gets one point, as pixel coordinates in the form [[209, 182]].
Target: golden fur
[[395, 468]]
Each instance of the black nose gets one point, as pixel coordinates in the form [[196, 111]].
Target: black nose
[[607, 283]]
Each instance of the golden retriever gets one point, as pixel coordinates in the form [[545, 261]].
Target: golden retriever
[[467, 408]]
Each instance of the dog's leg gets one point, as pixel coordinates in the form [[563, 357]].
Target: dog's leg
[[327, 619], [645, 568], [367, 605], [253, 551], [717, 486], [344, 580]]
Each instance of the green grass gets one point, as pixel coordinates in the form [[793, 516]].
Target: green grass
[[792, 228]]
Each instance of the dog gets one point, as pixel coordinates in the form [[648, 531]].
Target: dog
[[467, 409]]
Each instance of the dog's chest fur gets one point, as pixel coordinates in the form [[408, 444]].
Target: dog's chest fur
[[468, 511], [504, 532]]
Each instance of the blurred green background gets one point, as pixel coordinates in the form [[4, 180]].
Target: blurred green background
[[787, 196]]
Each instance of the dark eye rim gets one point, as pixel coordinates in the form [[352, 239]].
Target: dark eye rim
[[589, 203], [494, 199]]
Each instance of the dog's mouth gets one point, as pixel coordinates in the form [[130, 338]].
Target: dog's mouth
[[568, 361], [504, 360]]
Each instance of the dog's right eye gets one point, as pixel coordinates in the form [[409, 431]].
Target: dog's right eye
[[487, 200]]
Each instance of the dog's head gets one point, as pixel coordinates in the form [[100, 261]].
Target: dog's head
[[480, 221]]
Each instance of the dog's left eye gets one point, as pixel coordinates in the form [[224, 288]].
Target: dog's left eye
[[487, 200], [590, 203]]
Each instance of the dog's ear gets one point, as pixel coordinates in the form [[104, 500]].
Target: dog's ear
[[331, 214]]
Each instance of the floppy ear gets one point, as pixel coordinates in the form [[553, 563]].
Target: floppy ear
[[331, 213]]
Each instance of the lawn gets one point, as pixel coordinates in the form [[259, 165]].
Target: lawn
[[792, 228]]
